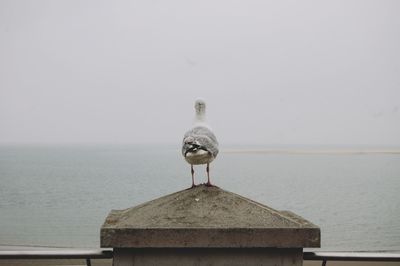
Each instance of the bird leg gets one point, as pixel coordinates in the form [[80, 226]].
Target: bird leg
[[208, 184], [192, 171]]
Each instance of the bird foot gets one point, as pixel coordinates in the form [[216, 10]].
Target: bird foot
[[208, 184]]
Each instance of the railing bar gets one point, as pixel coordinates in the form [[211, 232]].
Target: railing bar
[[56, 254], [352, 256], [89, 254]]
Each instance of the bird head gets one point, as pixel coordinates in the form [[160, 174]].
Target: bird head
[[200, 107]]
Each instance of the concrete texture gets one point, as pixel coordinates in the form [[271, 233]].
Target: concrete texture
[[208, 257], [205, 217]]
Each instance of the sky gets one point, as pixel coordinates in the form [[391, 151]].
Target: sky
[[316, 73]]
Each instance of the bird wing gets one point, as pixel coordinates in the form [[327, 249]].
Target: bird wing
[[203, 137]]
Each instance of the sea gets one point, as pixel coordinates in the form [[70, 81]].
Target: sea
[[59, 195]]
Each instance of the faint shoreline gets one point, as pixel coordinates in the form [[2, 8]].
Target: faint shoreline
[[313, 151]]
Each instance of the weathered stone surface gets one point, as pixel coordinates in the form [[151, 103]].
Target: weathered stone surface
[[206, 217]]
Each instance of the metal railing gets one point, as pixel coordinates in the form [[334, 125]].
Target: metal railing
[[89, 254], [57, 253], [351, 256]]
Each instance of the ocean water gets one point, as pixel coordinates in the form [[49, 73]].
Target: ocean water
[[60, 195]]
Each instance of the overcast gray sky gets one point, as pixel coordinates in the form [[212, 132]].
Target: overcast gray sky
[[272, 72]]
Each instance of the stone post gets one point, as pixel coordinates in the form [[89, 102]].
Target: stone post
[[207, 226]]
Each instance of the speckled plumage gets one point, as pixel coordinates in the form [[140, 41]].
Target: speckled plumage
[[197, 139]]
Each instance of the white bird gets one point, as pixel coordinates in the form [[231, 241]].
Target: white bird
[[200, 146]]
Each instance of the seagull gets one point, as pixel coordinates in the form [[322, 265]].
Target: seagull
[[200, 146]]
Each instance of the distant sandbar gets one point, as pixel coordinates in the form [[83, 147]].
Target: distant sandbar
[[314, 151]]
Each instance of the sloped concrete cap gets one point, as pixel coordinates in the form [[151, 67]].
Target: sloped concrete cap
[[206, 217]]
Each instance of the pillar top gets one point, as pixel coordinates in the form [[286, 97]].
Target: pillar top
[[206, 217]]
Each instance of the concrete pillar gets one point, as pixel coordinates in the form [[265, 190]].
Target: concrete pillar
[[207, 226]]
